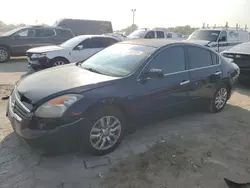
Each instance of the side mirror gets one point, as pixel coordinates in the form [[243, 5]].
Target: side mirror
[[153, 73], [80, 47], [16, 36]]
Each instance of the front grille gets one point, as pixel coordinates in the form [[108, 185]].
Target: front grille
[[18, 107]]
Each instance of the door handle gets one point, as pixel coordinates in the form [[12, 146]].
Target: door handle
[[217, 73], [185, 82]]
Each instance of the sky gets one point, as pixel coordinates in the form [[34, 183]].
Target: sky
[[155, 13]]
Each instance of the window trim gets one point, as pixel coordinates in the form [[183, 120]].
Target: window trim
[[33, 37], [186, 60]]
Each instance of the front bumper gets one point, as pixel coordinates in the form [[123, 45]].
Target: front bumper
[[42, 138], [39, 63]]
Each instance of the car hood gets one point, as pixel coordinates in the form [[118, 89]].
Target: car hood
[[44, 49], [200, 42], [58, 80], [243, 48]]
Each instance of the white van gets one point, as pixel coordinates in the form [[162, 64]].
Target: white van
[[219, 39], [153, 34]]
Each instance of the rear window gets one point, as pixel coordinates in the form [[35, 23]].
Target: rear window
[[64, 33], [160, 34], [45, 32]]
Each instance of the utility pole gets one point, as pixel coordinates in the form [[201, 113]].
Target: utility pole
[[133, 10]]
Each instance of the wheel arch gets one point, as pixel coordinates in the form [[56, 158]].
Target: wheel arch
[[112, 102], [59, 57], [7, 47]]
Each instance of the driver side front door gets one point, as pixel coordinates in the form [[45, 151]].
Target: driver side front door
[[169, 91], [86, 48]]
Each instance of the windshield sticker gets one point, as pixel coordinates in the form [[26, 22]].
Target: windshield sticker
[[215, 34]]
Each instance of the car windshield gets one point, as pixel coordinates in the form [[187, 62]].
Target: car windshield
[[209, 35], [118, 60], [137, 33], [71, 43], [11, 32]]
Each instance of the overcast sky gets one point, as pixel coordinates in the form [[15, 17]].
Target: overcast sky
[[154, 13]]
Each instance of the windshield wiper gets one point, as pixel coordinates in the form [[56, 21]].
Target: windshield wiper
[[92, 70]]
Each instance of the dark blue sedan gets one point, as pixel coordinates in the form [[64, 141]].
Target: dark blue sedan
[[92, 100]]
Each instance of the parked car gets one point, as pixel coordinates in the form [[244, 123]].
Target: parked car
[[85, 27], [76, 49], [92, 100], [220, 39], [17, 41], [152, 34], [240, 55]]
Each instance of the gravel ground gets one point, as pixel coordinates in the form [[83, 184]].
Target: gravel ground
[[197, 150]]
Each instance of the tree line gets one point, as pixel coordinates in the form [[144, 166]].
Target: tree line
[[185, 30]]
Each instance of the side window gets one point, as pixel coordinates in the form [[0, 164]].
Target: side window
[[108, 41], [45, 33], [26, 33], [64, 33], [169, 35], [92, 43], [223, 36], [215, 58], [150, 35], [170, 60], [199, 57], [160, 34]]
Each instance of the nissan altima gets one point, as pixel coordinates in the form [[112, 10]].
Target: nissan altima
[[92, 100]]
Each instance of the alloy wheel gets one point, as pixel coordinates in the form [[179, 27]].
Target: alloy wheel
[[58, 63], [105, 132], [221, 98], [3, 55]]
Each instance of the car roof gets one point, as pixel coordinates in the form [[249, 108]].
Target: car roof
[[157, 43], [96, 36]]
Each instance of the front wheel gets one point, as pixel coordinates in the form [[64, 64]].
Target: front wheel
[[104, 131], [59, 61], [219, 100], [4, 54]]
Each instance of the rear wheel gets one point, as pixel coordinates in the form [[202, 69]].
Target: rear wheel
[[59, 61], [219, 99], [103, 131], [4, 54]]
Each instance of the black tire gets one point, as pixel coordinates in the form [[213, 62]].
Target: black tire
[[212, 106], [58, 61], [93, 117], [4, 54]]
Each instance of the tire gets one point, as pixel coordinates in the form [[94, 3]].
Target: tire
[[92, 127], [4, 54], [58, 61], [220, 96]]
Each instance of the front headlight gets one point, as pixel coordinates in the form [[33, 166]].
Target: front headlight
[[41, 55], [57, 106]]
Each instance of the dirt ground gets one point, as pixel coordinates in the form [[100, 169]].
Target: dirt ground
[[197, 149]]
